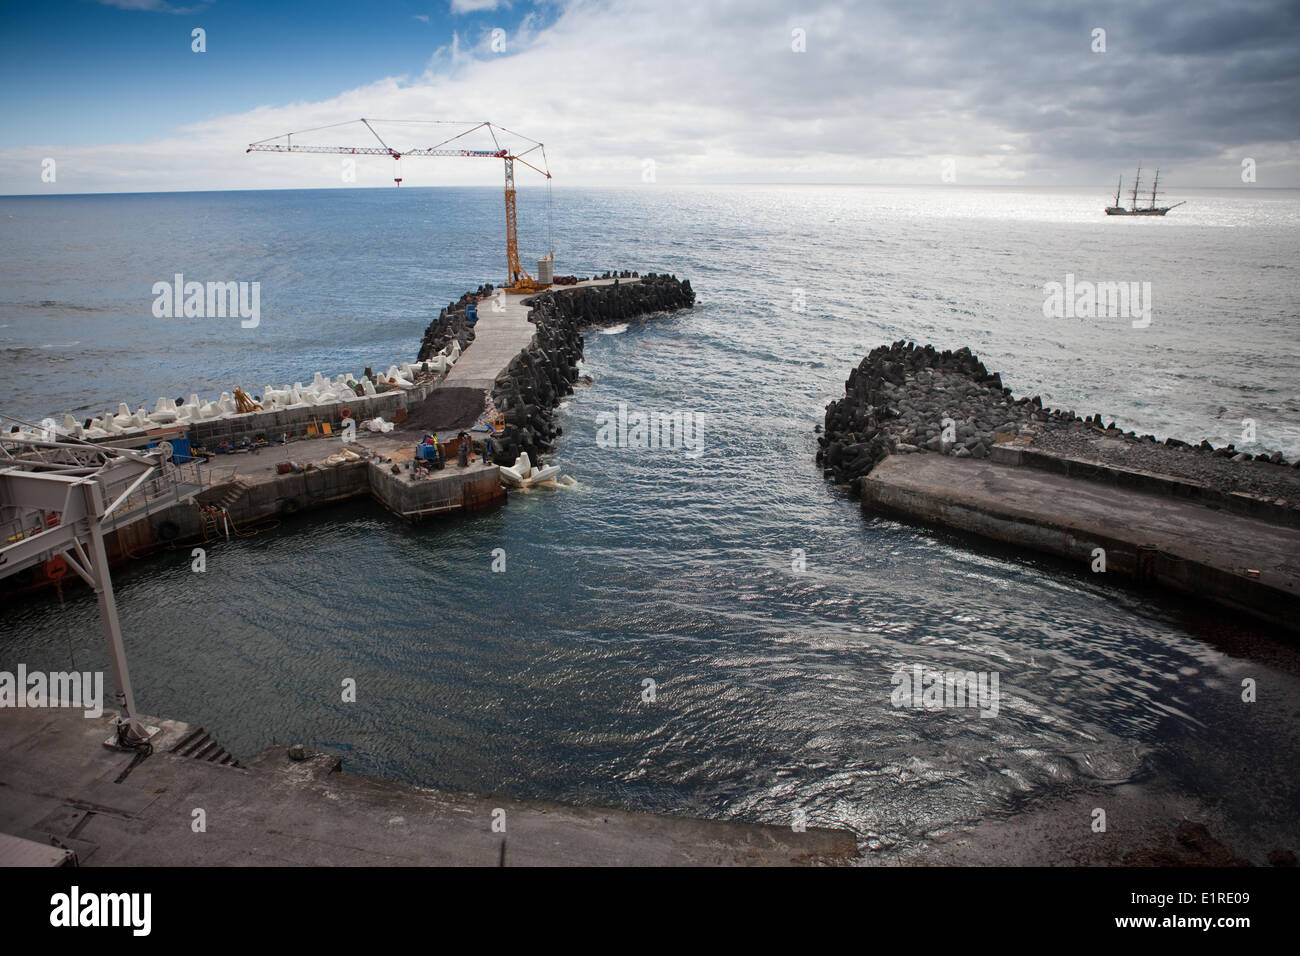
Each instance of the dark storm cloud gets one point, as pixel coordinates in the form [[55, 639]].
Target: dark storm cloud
[[1177, 82]]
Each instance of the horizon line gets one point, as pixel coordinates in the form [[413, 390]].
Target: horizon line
[[651, 186]]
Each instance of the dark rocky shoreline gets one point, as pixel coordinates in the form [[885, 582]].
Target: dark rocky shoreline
[[527, 391], [536, 380], [897, 399], [452, 323]]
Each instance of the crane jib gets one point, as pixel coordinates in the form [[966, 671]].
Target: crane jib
[[376, 151], [517, 277]]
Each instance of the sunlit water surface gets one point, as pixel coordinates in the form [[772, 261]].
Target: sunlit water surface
[[772, 686]]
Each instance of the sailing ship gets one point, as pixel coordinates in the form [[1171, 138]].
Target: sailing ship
[[1134, 209]]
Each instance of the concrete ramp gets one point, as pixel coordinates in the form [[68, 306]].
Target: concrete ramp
[[1249, 565]]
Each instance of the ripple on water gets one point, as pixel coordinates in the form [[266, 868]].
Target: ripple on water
[[769, 614]]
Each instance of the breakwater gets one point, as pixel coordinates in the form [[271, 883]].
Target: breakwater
[[527, 391], [310, 447], [903, 398], [936, 437], [452, 324], [526, 388]]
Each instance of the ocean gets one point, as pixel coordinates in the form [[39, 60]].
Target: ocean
[[710, 634]]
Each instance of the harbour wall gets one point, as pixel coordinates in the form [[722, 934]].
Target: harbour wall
[[898, 399], [245, 491], [527, 391], [934, 437], [452, 324], [1235, 502], [299, 422], [1239, 563]]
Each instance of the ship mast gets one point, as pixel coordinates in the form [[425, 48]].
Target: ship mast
[[1118, 186], [1136, 180], [1153, 189]]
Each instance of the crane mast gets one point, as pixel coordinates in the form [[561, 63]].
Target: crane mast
[[512, 228], [518, 279]]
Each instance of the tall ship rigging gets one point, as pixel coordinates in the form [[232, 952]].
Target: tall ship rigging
[[1134, 209]]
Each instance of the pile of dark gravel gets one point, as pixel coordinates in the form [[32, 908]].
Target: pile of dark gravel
[[445, 409]]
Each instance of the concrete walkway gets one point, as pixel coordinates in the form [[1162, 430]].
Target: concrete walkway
[[1249, 565], [499, 337], [57, 780]]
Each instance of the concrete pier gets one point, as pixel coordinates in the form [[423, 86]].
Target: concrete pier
[[439, 492], [502, 332], [934, 436], [249, 490], [60, 786], [1243, 563]]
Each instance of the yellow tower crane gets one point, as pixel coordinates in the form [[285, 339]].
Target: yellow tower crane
[[518, 278]]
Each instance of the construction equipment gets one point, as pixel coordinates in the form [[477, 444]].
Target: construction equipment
[[244, 404], [59, 497], [518, 278]]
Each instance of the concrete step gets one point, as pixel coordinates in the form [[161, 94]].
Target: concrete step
[[200, 745], [236, 491]]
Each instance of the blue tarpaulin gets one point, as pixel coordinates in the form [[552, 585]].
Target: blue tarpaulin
[[181, 451]]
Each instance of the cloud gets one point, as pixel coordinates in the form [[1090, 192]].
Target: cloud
[[153, 6], [445, 56], [422, 17], [715, 93], [474, 6]]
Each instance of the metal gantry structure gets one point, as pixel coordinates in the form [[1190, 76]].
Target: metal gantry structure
[[58, 499], [518, 278]]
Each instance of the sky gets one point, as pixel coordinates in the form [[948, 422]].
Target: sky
[[624, 92]]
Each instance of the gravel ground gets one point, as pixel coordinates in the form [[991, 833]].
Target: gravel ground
[[444, 410], [1189, 462]]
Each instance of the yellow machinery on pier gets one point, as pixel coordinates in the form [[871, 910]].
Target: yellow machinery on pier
[[518, 278]]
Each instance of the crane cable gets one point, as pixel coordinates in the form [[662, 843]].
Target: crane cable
[[550, 211]]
